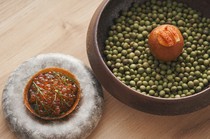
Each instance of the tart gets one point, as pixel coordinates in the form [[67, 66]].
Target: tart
[[52, 93]]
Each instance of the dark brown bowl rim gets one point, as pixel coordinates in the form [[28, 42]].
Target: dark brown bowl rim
[[64, 71], [104, 5]]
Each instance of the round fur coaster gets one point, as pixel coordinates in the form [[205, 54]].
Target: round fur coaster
[[77, 125]]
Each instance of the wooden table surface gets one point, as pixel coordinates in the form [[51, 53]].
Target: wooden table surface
[[32, 27]]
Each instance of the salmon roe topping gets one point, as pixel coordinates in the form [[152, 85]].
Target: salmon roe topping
[[52, 93]]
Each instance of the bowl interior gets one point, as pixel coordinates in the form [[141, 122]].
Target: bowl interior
[[114, 7], [98, 33]]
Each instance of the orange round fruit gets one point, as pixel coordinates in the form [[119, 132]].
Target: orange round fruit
[[166, 42]]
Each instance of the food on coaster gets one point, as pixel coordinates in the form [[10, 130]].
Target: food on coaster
[[52, 93]]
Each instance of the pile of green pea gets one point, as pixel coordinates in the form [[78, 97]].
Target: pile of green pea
[[128, 56]]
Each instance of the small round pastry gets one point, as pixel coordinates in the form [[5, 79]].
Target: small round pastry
[[166, 42], [52, 93]]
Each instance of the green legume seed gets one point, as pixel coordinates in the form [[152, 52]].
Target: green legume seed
[[190, 84], [184, 79], [208, 78], [148, 70], [167, 90], [166, 96], [162, 93], [173, 88], [198, 89], [145, 33], [145, 65], [140, 70], [188, 93], [205, 81], [142, 87], [205, 56], [170, 77], [132, 66], [132, 83], [151, 92], [184, 86], [181, 23]]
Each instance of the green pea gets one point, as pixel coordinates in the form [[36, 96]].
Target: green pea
[[197, 73], [184, 79], [190, 38], [205, 56], [128, 77], [162, 93], [170, 77], [140, 70], [148, 70], [195, 16], [173, 88], [208, 38], [132, 83], [181, 23], [191, 84], [198, 89], [208, 78], [133, 66], [169, 72], [184, 86], [149, 28], [151, 92], [201, 84], [139, 36], [137, 53], [142, 87], [145, 33], [206, 43], [158, 77], [145, 83], [205, 81], [163, 67], [167, 90], [185, 35], [145, 65], [206, 62]]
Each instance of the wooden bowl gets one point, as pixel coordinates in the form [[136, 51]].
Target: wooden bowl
[[60, 70], [96, 36]]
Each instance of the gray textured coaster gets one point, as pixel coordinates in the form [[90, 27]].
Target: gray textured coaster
[[77, 125]]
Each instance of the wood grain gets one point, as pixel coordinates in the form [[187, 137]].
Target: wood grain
[[31, 27]]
